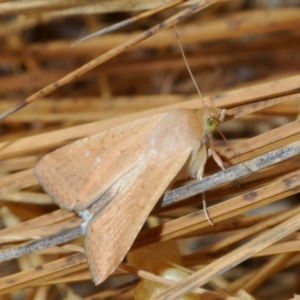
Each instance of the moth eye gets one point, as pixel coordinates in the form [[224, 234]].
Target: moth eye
[[212, 124]]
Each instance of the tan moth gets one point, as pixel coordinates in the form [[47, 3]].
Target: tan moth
[[102, 205], [113, 179]]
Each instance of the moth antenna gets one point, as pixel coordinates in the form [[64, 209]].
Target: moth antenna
[[187, 65], [199, 92], [131, 20], [106, 56], [200, 95], [231, 148], [222, 135], [205, 210]]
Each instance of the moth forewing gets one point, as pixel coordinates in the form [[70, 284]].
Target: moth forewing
[[128, 168], [112, 231], [77, 175]]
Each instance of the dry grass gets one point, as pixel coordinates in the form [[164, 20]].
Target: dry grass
[[245, 59]]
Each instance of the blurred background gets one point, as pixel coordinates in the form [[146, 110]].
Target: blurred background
[[229, 45]]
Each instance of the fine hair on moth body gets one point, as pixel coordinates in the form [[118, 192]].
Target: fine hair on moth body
[[114, 179]]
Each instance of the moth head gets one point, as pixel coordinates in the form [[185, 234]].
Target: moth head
[[212, 124], [211, 118]]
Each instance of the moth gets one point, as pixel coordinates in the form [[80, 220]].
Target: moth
[[114, 179]]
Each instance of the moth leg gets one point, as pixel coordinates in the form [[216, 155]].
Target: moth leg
[[219, 162], [199, 164], [216, 158], [205, 208], [206, 211]]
